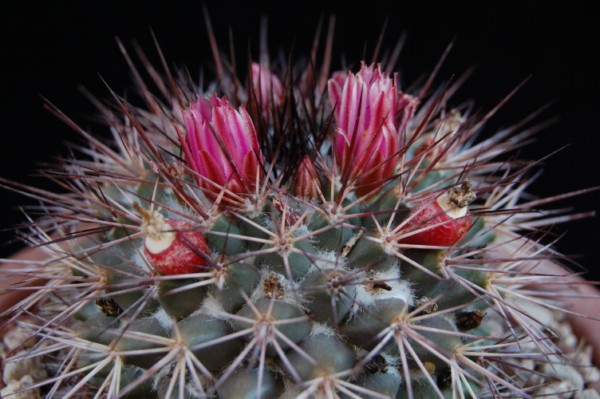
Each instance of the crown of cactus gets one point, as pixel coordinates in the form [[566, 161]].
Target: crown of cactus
[[300, 234]]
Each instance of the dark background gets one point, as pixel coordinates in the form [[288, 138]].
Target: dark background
[[49, 49]]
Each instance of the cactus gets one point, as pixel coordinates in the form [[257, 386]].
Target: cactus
[[290, 236]]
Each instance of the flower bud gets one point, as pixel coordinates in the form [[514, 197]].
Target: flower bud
[[306, 182], [366, 141], [267, 88], [221, 147]]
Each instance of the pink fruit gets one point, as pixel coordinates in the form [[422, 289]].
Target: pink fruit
[[440, 221], [176, 248]]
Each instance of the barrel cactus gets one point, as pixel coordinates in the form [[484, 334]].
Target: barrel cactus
[[298, 233]]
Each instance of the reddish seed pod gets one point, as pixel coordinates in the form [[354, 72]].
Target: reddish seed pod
[[441, 221], [173, 246]]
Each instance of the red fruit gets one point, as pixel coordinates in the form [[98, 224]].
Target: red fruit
[[444, 220], [174, 247]]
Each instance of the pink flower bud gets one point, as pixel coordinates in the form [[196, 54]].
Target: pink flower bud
[[267, 88], [306, 181], [366, 143], [221, 146]]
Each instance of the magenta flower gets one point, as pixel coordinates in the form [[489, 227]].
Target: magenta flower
[[267, 87], [221, 147], [366, 145]]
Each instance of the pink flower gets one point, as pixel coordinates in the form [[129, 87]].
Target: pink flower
[[367, 105], [221, 147], [267, 88]]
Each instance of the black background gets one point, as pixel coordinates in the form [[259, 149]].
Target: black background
[[49, 49]]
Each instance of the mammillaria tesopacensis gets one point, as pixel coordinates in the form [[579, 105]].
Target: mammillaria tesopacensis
[[300, 234]]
